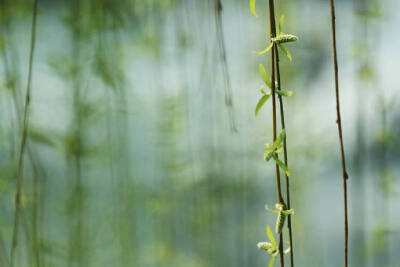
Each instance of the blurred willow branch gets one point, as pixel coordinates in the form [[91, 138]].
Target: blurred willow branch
[[222, 49], [23, 139]]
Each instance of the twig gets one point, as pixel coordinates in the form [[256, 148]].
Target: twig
[[285, 156], [339, 123], [278, 178]]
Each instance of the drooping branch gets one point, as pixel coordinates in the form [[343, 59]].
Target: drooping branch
[[278, 179], [285, 155], [222, 50], [25, 124], [339, 124]]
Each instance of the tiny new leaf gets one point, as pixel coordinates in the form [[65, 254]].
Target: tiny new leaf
[[253, 8], [261, 103], [276, 144], [281, 164], [271, 262], [287, 93], [280, 25], [265, 50], [286, 51], [271, 236], [264, 75]]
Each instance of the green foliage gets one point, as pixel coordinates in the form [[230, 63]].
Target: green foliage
[[253, 7], [264, 75], [281, 164], [279, 40], [271, 247], [269, 150], [272, 151], [286, 51], [286, 93], [265, 96], [261, 103]]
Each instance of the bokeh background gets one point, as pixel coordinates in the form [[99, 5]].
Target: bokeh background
[[143, 147]]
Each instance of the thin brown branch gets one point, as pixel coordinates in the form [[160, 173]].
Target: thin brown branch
[[285, 156], [23, 139], [278, 179], [339, 123]]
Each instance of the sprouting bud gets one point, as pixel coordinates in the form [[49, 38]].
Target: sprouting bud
[[272, 251], [264, 245], [268, 247], [284, 38]]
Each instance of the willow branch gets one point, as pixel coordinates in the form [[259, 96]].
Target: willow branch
[[222, 49], [278, 179], [23, 139], [285, 155], [339, 124]]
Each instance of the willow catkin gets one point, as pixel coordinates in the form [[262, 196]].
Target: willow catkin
[[280, 221], [284, 38], [268, 247]]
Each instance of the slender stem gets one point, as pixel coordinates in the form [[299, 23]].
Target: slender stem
[[285, 155], [339, 123], [278, 178], [23, 139]]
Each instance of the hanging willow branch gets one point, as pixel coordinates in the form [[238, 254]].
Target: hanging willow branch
[[278, 177], [222, 49], [25, 123], [339, 123], [285, 158]]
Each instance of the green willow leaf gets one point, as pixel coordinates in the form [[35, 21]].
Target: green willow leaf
[[253, 8], [270, 152], [265, 50], [287, 93], [271, 262], [279, 149], [261, 103], [281, 164], [262, 87], [271, 237], [286, 51], [288, 212], [264, 75], [280, 25], [270, 210]]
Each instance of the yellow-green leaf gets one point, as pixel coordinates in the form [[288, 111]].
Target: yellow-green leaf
[[281, 164], [264, 75], [265, 50], [284, 49], [280, 25], [271, 236], [261, 103], [275, 145], [253, 8], [262, 87], [287, 93], [271, 262]]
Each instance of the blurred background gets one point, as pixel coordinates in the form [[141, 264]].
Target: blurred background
[[143, 147]]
